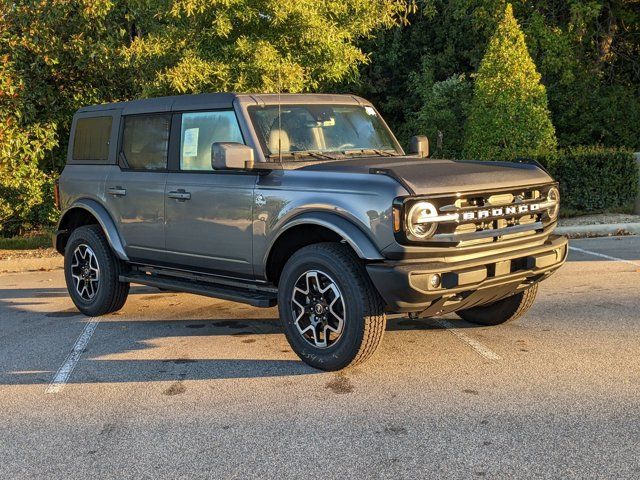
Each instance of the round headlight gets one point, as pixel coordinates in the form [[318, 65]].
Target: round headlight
[[418, 220], [553, 196]]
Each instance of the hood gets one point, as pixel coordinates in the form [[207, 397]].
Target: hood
[[431, 177]]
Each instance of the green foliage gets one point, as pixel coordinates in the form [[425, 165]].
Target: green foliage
[[57, 56], [25, 190], [442, 114], [509, 115], [64, 55], [593, 179], [588, 52], [444, 39], [244, 45], [26, 198]]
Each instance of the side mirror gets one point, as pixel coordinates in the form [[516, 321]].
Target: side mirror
[[231, 156], [419, 146]]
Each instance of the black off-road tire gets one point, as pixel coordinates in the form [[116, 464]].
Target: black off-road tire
[[364, 318], [111, 294], [502, 311]]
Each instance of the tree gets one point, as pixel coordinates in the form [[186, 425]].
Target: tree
[[442, 113], [250, 46], [587, 51], [59, 55], [442, 39], [509, 114], [66, 54]]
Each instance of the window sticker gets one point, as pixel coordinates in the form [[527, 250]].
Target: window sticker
[[190, 144], [370, 111]]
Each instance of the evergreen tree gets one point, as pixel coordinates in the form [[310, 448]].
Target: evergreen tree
[[509, 113]]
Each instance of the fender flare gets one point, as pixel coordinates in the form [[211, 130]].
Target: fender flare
[[104, 220], [352, 234]]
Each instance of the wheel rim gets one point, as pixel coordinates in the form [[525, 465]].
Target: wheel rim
[[85, 272], [318, 309]]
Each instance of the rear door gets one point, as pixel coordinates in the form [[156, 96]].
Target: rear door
[[209, 213], [135, 190]]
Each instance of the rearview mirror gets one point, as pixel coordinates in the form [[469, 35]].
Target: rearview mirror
[[419, 146], [231, 156]]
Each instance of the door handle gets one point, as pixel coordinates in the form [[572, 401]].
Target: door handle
[[117, 191], [180, 195]]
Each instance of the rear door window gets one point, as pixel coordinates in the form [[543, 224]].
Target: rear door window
[[145, 141], [91, 139], [199, 131]]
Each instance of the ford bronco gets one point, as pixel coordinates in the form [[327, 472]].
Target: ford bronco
[[307, 202]]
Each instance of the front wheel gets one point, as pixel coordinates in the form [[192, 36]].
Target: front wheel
[[502, 311], [332, 315]]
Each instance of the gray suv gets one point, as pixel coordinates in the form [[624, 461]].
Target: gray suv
[[304, 201]]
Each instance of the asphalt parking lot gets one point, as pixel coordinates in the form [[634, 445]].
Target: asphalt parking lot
[[179, 386]]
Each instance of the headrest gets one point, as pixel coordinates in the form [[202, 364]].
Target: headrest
[[278, 135]]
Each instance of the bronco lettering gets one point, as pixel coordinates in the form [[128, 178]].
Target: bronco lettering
[[500, 212]]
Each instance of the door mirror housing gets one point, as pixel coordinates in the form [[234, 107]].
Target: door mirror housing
[[419, 146], [231, 156]]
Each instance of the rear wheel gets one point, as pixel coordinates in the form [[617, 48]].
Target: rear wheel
[[502, 311], [92, 272], [332, 315]]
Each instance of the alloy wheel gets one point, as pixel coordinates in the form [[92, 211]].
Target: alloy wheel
[[85, 272], [318, 309]]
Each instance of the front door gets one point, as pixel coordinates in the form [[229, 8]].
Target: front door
[[209, 213], [135, 189]]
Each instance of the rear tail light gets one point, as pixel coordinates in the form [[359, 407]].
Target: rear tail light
[[56, 193]]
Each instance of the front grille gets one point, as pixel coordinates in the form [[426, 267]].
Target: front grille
[[477, 218]]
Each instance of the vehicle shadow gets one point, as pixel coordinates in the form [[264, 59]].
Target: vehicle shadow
[[431, 323], [15, 292], [126, 349]]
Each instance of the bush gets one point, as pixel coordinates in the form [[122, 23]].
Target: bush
[[26, 199], [593, 179], [444, 108]]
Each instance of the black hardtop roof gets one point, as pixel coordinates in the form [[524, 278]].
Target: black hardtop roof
[[205, 101]]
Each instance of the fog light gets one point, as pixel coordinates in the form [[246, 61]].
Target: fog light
[[435, 280]]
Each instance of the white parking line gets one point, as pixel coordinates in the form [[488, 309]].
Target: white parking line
[[476, 345], [602, 255], [62, 377]]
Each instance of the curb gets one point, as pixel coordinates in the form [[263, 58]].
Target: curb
[[21, 265], [604, 229]]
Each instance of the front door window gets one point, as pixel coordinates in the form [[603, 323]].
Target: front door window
[[199, 131]]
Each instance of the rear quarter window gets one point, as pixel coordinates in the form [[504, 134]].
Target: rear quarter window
[[91, 139]]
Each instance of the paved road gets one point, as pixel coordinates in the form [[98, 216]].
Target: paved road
[[178, 386]]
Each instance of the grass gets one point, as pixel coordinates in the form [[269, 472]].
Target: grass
[[27, 242]]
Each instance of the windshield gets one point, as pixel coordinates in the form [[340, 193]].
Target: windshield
[[321, 129]]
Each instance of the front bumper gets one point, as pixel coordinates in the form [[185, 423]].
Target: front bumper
[[406, 286]]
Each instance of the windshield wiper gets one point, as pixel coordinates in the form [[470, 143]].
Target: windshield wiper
[[369, 151], [318, 155], [275, 156], [297, 155]]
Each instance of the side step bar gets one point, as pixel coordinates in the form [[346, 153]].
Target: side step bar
[[252, 297]]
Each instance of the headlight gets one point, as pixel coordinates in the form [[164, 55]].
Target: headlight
[[419, 220], [553, 198]]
